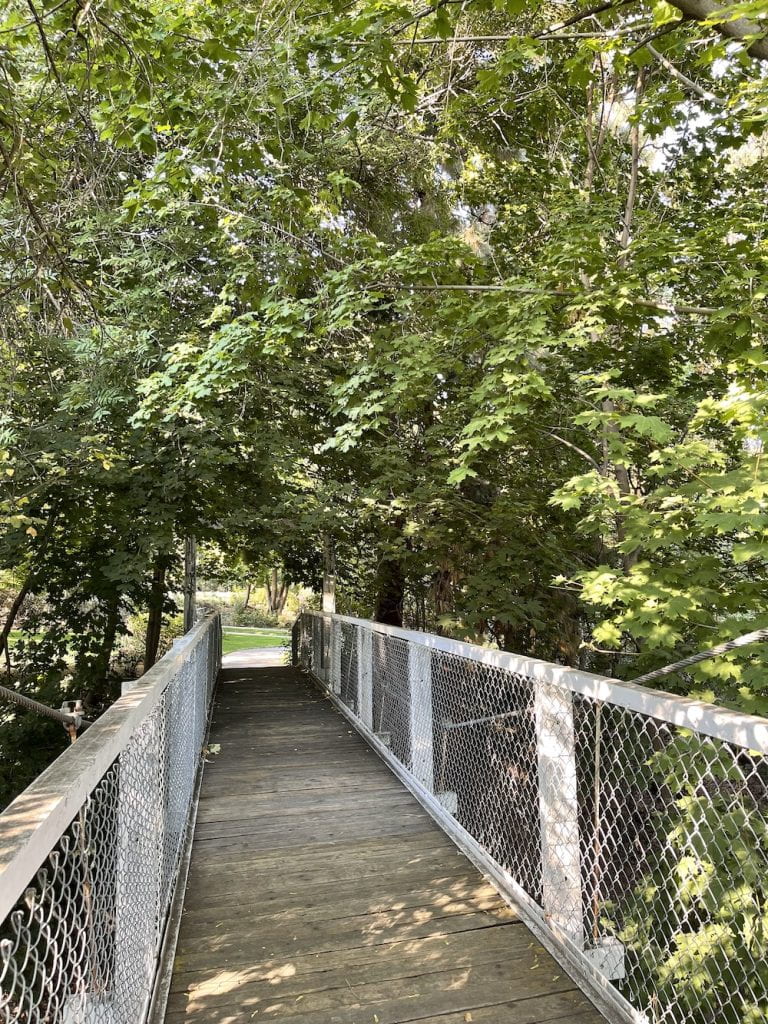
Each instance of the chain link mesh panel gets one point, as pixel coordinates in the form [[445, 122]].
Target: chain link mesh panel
[[348, 665], [81, 945], [642, 843]]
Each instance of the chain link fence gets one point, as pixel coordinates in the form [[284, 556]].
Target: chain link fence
[[90, 853], [630, 826]]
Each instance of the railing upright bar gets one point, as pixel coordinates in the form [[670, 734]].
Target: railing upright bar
[[364, 676], [558, 809], [420, 715]]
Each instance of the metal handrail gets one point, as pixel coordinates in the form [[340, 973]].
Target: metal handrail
[[731, 726], [95, 844]]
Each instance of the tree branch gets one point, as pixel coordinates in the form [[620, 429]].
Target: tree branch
[[683, 79], [629, 206], [740, 29], [662, 307], [575, 448]]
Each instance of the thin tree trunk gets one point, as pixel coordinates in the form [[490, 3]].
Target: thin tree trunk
[[190, 583], [247, 596], [12, 614], [29, 582], [390, 591], [620, 472], [277, 592], [156, 603], [608, 469], [329, 574], [282, 597], [97, 687]]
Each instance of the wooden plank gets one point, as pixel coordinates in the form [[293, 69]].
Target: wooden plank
[[320, 892], [280, 941], [326, 835], [381, 894], [288, 983], [571, 1006], [360, 852], [336, 824], [375, 849], [425, 993], [340, 924], [452, 948], [226, 807]]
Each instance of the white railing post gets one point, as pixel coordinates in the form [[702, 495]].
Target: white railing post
[[319, 666], [420, 705], [336, 640], [138, 867], [365, 677], [558, 809]]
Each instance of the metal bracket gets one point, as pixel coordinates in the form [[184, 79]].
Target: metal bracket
[[608, 958], [75, 709]]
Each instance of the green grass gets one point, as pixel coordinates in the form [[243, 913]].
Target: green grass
[[238, 641], [248, 641]]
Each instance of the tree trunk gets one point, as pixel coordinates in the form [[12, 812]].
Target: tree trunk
[[390, 591], [29, 582], [11, 618], [595, 144], [247, 596], [731, 28], [156, 603], [190, 583], [329, 575], [97, 687], [277, 592]]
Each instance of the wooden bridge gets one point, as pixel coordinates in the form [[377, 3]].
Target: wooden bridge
[[320, 892], [400, 828]]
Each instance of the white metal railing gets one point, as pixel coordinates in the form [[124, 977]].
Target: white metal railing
[[90, 852], [628, 825]]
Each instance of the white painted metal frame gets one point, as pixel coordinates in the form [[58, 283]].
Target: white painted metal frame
[[747, 731], [558, 921]]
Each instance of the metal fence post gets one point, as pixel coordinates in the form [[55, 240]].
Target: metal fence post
[[295, 634], [558, 808], [336, 640], [190, 583], [365, 676], [420, 705], [318, 647], [138, 868]]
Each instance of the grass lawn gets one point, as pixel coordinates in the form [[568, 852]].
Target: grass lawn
[[234, 641], [256, 638]]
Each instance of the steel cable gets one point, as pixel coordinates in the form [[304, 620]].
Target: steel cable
[[713, 652], [42, 709]]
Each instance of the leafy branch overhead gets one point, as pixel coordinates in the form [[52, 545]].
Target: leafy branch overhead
[[475, 288]]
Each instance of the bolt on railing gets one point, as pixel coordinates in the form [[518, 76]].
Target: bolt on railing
[[629, 826], [90, 852]]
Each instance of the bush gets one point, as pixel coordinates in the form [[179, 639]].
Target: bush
[[130, 654], [242, 616]]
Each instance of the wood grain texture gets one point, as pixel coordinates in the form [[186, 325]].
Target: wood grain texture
[[320, 892]]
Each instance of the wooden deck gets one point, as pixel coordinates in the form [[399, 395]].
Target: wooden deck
[[321, 893]]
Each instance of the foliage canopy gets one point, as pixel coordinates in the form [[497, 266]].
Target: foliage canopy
[[477, 289]]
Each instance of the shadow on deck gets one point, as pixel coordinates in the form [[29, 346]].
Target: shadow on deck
[[320, 892]]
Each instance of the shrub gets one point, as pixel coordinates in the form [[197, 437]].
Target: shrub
[[130, 654], [242, 616]]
